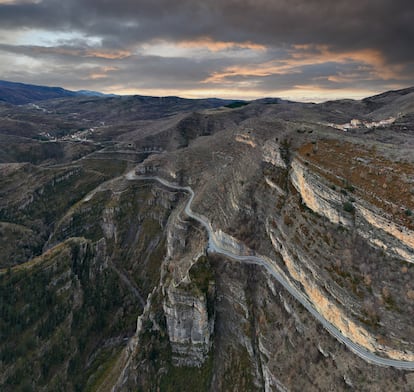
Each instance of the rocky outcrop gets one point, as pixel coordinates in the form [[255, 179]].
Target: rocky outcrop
[[274, 186], [370, 223], [383, 233], [317, 195], [229, 243], [327, 305], [108, 223], [188, 324], [246, 139], [188, 314], [272, 154]]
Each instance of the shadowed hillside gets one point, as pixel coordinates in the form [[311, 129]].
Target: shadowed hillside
[[108, 284]]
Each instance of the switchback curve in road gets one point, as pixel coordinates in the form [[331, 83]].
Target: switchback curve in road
[[214, 247]]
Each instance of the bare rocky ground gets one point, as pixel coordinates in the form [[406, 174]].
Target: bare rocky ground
[[85, 252]]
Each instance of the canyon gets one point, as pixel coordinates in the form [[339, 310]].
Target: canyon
[[209, 248]]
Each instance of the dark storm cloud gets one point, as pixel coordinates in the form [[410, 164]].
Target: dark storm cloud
[[346, 25], [249, 45], [95, 68], [329, 75]]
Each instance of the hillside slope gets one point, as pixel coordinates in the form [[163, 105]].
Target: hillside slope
[[107, 283]]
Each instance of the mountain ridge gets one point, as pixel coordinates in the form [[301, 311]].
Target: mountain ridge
[[109, 281], [19, 93]]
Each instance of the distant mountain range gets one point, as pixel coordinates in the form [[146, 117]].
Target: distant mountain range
[[21, 93]]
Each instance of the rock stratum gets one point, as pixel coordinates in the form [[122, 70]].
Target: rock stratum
[[207, 248]]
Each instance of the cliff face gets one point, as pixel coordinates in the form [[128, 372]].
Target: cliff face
[[331, 240], [188, 291], [367, 220], [188, 325], [317, 195], [308, 266], [394, 239], [85, 303], [83, 294], [272, 154], [318, 244]]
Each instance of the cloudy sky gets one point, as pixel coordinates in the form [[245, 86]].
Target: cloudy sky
[[297, 49]]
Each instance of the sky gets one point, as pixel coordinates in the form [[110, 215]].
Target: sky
[[305, 50]]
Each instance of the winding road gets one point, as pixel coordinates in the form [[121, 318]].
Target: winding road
[[214, 247]]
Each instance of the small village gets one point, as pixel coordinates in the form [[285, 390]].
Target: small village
[[355, 124]]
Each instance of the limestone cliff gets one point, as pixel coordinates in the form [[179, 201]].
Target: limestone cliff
[[317, 195], [188, 324], [187, 290], [272, 154], [303, 262], [369, 221]]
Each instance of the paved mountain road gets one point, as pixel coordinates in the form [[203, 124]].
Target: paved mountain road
[[214, 247]]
